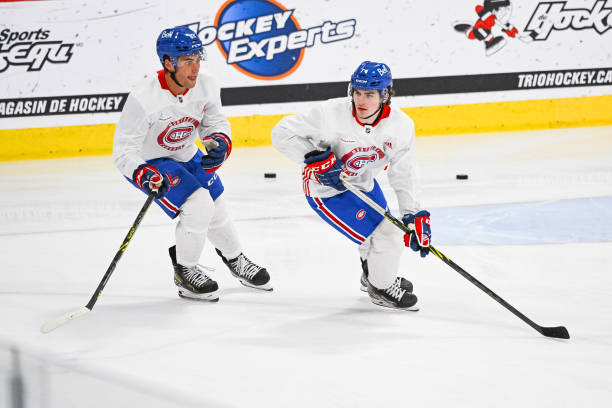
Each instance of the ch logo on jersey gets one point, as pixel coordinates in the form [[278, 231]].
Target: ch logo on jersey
[[357, 162], [360, 214], [360, 157], [173, 180], [176, 133]]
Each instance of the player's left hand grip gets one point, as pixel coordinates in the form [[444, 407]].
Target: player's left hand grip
[[218, 148], [149, 179], [420, 232]]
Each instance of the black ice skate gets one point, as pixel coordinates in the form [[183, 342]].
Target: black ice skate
[[494, 44], [248, 273], [403, 282], [192, 282], [462, 27], [394, 297]]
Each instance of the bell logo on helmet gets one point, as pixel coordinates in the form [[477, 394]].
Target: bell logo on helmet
[[178, 41], [263, 39]]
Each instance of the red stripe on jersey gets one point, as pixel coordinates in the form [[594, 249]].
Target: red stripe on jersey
[[306, 180], [169, 205], [338, 222]]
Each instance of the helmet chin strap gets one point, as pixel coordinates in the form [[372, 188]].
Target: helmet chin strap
[[377, 112], [174, 78], [172, 74]]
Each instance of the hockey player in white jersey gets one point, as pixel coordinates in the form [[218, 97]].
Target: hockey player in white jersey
[[154, 145], [361, 136]]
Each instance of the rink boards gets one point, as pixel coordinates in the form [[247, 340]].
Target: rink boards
[[67, 71]]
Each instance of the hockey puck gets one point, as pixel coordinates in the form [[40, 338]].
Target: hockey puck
[[269, 175], [462, 176]]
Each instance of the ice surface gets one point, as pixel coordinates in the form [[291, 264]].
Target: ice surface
[[533, 222]]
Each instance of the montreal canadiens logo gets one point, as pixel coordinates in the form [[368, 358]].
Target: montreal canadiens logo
[[173, 180], [360, 214], [360, 157], [358, 162], [263, 39], [176, 133]]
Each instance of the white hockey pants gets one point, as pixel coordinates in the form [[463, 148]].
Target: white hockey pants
[[200, 217]]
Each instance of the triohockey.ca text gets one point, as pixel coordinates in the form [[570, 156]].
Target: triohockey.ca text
[[562, 79]]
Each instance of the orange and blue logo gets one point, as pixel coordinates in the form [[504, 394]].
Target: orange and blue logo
[[263, 39]]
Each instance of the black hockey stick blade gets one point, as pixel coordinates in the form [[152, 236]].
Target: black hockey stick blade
[[54, 324], [558, 332]]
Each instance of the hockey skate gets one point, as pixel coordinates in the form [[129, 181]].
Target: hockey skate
[[494, 44], [403, 282], [393, 297], [462, 27], [247, 272], [192, 282]]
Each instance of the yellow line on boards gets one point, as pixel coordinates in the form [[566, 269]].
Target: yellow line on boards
[[254, 130]]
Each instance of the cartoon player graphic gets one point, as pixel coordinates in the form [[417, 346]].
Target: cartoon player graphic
[[493, 22]]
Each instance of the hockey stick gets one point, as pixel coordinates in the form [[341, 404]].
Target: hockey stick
[[557, 332], [52, 325]]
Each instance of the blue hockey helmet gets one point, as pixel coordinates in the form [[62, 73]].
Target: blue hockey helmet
[[372, 76], [177, 41]]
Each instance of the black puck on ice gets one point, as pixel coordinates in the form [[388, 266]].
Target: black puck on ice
[[269, 175], [462, 176]]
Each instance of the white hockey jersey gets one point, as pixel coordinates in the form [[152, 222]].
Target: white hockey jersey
[[365, 150], [156, 123]]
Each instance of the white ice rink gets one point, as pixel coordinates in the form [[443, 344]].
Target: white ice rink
[[533, 222]]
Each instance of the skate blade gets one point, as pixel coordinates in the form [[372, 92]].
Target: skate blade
[[207, 297], [413, 308], [266, 286]]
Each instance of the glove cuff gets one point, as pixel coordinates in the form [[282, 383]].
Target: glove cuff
[[323, 165], [139, 175], [222, 137]]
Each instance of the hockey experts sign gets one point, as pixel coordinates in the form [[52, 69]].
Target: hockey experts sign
[[263, 39], [32, 49]]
